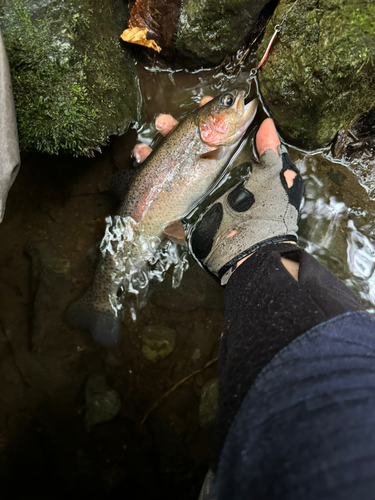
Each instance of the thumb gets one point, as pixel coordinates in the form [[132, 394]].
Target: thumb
[[267, 137]]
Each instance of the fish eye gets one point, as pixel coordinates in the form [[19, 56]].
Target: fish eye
[[226, 100]]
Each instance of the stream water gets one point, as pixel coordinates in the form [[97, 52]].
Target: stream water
[[337, 219], [71, 412]]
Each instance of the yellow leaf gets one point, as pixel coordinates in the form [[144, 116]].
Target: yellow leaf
[[138, 36]]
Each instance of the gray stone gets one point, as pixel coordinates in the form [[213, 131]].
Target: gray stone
[[74, 85], [209, 30], [208, 404], [102, 402], [157, 342], [318, 77]]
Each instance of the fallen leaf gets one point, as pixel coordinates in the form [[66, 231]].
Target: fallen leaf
[[160, 17], [138, 36]]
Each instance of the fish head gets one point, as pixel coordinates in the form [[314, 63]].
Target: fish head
[[224, 120]]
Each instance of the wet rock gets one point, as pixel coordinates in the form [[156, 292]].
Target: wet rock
[[209, 30], [50, 283], [102, 402], [197, 289], [318, 77], [74, 84], [157, 342], [355, 147], [208, 404]]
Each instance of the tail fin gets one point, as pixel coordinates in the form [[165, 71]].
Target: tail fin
[[104, 324]]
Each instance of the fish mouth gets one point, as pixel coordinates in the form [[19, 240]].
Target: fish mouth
[[240, 102], [245, 110], [248, 111]]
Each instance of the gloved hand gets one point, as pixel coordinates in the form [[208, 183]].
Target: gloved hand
[[261, 210]]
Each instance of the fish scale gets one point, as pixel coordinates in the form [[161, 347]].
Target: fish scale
[[171, 181]]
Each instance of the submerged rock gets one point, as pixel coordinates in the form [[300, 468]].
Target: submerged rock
[[50, 283], [157, 342], [318, 77], [209, 30], [208, 404], [74, 85], [102, 402]]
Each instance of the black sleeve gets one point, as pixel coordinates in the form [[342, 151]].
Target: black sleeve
[[306, 428], [265, 310]]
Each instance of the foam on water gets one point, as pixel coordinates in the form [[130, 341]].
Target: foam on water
[[138, 258]]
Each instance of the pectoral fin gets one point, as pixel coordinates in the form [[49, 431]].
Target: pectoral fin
[[175, 231], [215, 154]]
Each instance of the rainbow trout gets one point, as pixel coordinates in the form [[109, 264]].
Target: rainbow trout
[[171, 181]]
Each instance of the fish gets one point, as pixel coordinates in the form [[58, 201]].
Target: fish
[[172, 181], [9, 151]]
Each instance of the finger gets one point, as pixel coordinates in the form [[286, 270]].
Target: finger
[[267, 137], [205, 99], [290, 175], [141, 151], [165, 123]]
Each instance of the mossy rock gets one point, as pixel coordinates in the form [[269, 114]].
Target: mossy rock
[[318, 77], [73, 83], [209, 30]]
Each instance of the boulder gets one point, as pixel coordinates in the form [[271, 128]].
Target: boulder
[[74, 85], [209, 30], [318, 77]]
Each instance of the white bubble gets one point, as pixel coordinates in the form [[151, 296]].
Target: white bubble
[[136, 264]]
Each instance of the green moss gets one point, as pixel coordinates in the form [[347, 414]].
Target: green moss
[[73, 86], [318, 77], [363, 19]]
